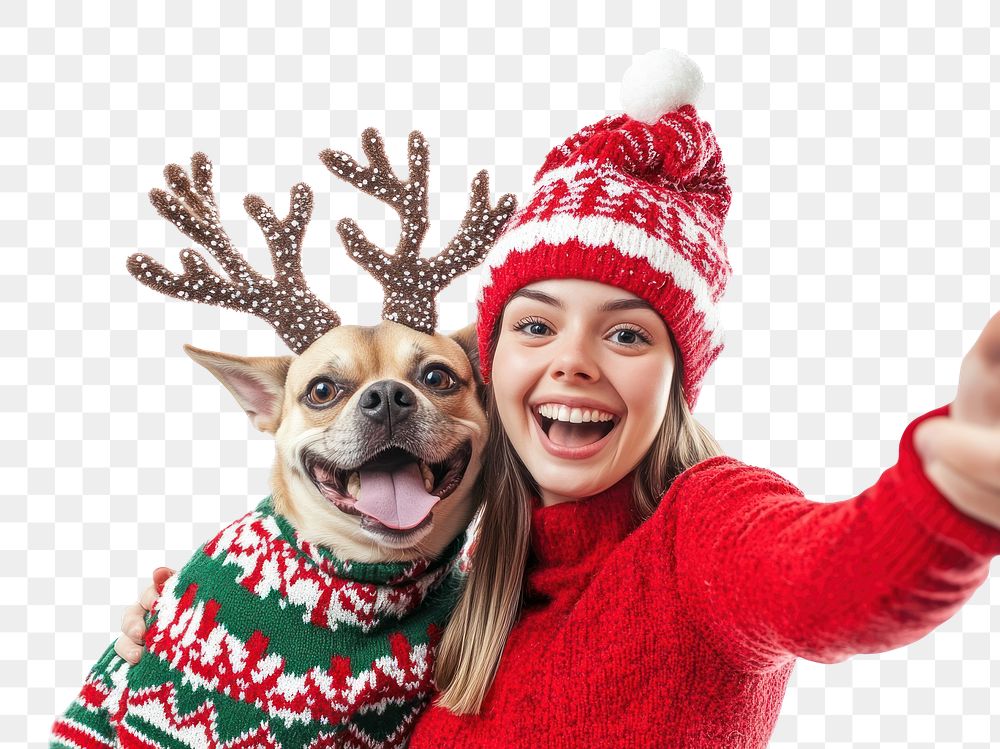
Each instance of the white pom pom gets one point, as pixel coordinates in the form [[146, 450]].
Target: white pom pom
[[659, 82]]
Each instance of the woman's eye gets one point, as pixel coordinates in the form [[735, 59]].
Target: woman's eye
[[628, 337], [322, 392], [438, 379], [533, 327]]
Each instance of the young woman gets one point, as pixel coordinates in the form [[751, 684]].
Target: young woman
[[631, 586]]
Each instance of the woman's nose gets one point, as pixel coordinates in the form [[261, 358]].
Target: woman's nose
[[574, 360]]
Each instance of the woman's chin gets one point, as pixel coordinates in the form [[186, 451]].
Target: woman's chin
[[559, 485]]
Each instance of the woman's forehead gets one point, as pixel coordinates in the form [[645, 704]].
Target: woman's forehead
[[571, 295], [571, 287]]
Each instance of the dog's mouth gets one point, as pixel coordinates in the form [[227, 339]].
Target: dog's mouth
[[394, 491]]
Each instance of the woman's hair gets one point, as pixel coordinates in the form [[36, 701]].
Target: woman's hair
[[490, 602]]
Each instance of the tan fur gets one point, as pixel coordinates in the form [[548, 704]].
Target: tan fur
[[271, 390]]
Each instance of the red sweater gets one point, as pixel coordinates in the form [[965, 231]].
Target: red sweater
[[683, 631]]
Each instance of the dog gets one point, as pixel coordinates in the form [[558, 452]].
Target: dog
[[367, 450], [312, 620]]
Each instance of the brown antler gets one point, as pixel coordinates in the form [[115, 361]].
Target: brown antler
[[284, 301], [411, 282]]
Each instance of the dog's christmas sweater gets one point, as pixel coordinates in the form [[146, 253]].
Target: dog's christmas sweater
[[683, 631], [266, 640]]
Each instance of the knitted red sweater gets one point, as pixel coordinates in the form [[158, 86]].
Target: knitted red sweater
[[683, 632]]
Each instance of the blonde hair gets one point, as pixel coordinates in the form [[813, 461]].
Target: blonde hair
[[490, 603]]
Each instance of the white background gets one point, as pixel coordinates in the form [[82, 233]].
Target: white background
[[858, 138]]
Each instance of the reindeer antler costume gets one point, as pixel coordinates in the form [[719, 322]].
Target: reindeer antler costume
[[411, 282]]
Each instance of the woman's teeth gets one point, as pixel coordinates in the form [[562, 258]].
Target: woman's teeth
[[559, 412]]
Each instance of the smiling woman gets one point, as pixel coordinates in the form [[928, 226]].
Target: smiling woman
[[587, 384], [631, 586], [602, 295]]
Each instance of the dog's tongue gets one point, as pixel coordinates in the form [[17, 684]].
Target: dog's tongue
[[396, 499]]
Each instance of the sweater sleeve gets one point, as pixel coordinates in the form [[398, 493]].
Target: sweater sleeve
[[87, 721], [768, 575]]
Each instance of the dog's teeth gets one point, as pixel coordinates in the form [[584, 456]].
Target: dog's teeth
[[428, 475], [354, 484]]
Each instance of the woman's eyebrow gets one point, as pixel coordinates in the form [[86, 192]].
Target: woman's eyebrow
[[616, 305], [613, 305], [538, 296]]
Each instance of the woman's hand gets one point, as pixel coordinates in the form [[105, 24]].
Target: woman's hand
[[961, 452], [129, 645]]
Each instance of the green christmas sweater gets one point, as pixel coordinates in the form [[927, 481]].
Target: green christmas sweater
[[266, 640]]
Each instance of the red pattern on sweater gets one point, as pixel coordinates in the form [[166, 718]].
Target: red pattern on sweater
[[683, 632], [199, 646]]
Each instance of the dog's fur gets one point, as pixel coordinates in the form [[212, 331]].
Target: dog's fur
[[274, 393]]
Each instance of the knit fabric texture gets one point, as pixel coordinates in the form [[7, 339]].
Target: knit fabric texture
[[682, 631], [635, 205], [266, 640]]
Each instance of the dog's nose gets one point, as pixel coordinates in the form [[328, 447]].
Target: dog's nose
[[388, 402]]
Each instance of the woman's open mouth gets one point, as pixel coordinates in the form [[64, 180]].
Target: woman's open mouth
[[393, 491], [570, 432]]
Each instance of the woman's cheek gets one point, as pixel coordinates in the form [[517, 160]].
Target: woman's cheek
[[510, 383], [645, 388]]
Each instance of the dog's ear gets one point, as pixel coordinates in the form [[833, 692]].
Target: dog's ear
[[257, 382], [469, 341]]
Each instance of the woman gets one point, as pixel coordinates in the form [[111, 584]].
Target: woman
[[631, 586]]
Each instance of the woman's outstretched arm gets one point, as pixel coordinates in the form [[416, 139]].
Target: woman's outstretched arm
[[770, 575]]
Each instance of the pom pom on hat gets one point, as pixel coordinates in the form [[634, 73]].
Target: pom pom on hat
[[659, 82]]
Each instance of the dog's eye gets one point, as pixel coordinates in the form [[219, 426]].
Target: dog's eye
[[438, 379], [322, 392]]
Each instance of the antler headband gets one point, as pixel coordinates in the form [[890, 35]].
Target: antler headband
[[411, 282]]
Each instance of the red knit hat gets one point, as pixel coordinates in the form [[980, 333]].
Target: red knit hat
[[638, 201]]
